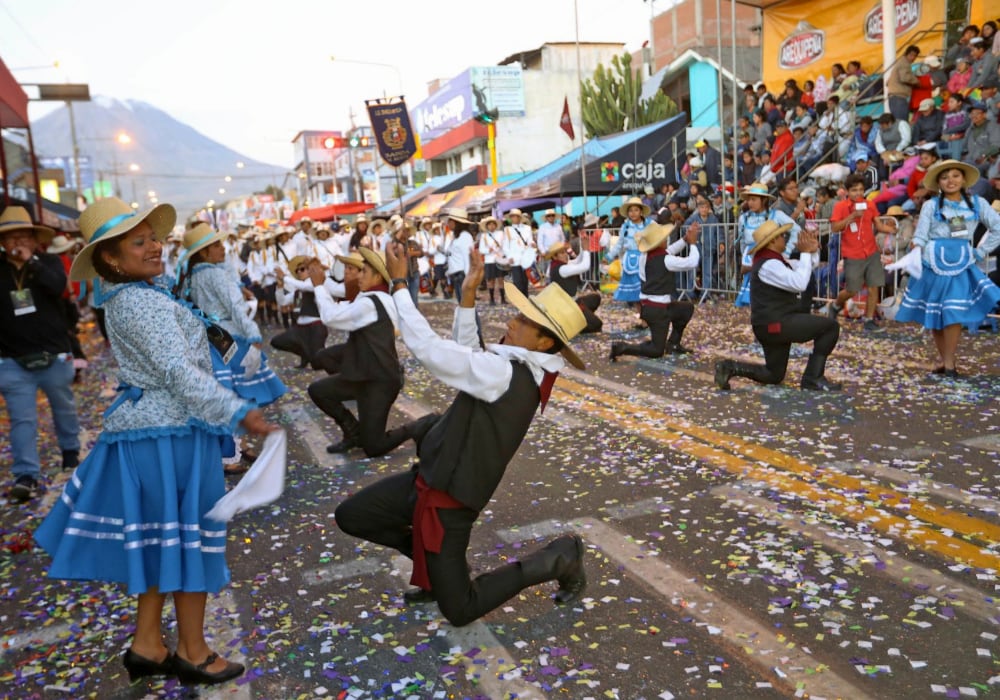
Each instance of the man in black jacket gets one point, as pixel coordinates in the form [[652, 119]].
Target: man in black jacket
[[35, 351], [427, 513]]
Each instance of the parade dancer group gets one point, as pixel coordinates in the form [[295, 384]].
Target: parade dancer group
[[193, 378]]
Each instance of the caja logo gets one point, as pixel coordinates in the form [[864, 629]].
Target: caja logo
[[803, 46]]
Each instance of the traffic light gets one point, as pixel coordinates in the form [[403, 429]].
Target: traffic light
[[330, 142], [359, 141], [488, 117]]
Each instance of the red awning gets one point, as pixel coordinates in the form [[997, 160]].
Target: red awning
[[331, 211], [13, 101]]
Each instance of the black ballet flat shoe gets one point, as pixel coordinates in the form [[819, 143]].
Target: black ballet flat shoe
[[415, 596], [190, 674], [141, 667]]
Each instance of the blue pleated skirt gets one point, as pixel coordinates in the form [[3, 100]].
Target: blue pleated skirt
[[133, 513], [957, 292], [263, 388], [630, 284]]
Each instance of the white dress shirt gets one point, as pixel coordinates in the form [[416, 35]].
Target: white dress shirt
[[794, 279], [352, 315], [460, 363], [458, 253], [576, 266], [549, 235]]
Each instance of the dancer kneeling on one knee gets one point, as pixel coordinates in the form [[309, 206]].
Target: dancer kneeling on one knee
[[776, 285]]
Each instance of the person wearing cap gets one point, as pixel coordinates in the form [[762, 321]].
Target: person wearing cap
[[549, 232], [776, 316], [210, 286], [947, 290], [461, 228], [35, 348], [135, 510], [899, 83], [712, 160], [627, 248], [856, 220], [982, 139], [427, 513], [662, 310], [696, 175], [491, 247], [758, 200], [568, 274], [369, 371], [984, 63], [521, 250], [928, 124]]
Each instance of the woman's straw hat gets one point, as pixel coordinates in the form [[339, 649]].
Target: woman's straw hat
[[60, 244], [635, 202], [554, 309], [757, 189], [930, 180], [110, 218], [199, 236]]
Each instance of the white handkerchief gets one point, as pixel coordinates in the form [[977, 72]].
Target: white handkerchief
[[911, 263], [251, 362], [261, 485]]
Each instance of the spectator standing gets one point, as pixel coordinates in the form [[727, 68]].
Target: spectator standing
[[521, 250], [549, 233], [711, 160], [35, 350], [900, 83]]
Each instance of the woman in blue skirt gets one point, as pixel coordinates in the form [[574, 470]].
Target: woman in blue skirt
[[134, 510], [950, 291], [627, 247], [209, 283]]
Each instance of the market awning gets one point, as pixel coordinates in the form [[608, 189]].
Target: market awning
[[475, 199], [431, 204], [13, 101], [330, 212], [441, 183], [623, 163]]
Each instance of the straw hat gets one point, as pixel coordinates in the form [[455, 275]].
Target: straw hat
[[109, 218], [60, 244], [635, 201], [360, 218], [653, 236], [460, 215], [767, 232], [758, 189], [591, 220], [352, 259], [550, 212], [897, 211], [554, 250], [375, 259], [487, 220], [514, 212], [930, 180], [200, 236], [377, 222], [16, 218], [554, 309]]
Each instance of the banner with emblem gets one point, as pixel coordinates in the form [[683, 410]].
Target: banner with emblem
[[391, 126], [802, 39]]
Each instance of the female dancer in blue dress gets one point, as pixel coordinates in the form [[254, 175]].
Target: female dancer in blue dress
[[758, 198], [951, 291], [637, 218], [134, 510]]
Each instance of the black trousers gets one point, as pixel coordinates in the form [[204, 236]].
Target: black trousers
[[375, 399], [777, 339], [660, 320], [329, 359], [456, 280], [383, 513], [588, 304], [519, 278], [304, 341]]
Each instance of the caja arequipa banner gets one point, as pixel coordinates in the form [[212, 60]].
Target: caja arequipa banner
[[979, 12], [804, 38]]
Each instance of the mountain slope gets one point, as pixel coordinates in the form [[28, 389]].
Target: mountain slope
[[175, 161]]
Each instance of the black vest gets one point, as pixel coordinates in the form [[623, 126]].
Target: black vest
[[571, 284], [659, 280], [467, 451], [767, 303], [307, 304], [370, 352]]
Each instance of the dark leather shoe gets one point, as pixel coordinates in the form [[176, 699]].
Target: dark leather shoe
[[616, 351], [951, 373], [190, 674], [344, 445], [821, 384], [140, 667], [415, 596], [723, 371], [678, 349], [574, 580]]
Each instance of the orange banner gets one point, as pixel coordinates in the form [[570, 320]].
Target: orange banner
[[978, 14], [839, 32]]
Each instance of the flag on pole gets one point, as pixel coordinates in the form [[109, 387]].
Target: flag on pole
[[565, 122]]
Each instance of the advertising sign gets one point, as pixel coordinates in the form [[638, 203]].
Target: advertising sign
[[838, 33], [447, 108], [502, 87]]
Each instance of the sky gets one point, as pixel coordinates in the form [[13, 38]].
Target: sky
[[251, 74]]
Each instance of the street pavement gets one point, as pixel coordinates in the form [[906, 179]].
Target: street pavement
[[758, 543]]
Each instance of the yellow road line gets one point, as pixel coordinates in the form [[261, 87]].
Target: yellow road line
[[680, 438]]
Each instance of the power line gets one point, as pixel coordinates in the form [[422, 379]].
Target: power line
[[27, 35]]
